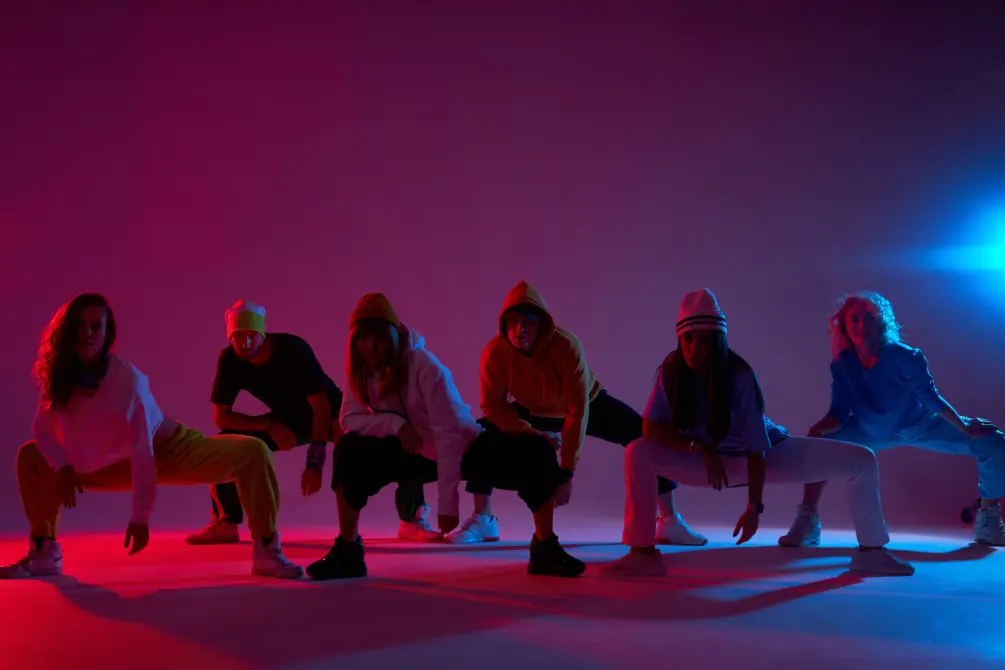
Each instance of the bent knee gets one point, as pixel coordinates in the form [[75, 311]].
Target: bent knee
[[640, 450], [255, 448], [861, 458], [28, 453]]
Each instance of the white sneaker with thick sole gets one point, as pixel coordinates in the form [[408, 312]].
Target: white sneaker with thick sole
[[477, 528], [268, 561], [419, 529], [217, 532], [988, 526], [43, 561], [805, 530], [674, 530], [635, 564], [880, 562]]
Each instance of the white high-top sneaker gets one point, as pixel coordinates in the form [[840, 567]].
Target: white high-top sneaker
[[635, 564], [880, 562], [44, 561], [217, 532], [268, 561], [674, 530], [988, 527], [805, 530], [419, 530], [477, 528]]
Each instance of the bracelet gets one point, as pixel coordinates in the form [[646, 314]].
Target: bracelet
[[316, 454]]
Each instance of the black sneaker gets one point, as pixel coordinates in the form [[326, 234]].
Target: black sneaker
[[343, 561], [549, 558]]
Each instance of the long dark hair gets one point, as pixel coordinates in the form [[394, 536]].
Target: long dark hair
[[681, 386], [396, 378], [59, 368]]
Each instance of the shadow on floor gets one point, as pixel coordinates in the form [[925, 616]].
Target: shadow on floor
[[307, 620]]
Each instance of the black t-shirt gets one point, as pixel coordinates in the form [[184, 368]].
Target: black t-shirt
[[290, 376]]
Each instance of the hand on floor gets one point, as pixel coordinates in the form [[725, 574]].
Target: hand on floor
[[310, 482], [748, 523], [139, 534]]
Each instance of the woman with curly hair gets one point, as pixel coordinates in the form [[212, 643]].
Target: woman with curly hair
[[98, 427], [704, 425], [883, 395]]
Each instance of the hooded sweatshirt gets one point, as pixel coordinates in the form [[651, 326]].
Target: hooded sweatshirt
[[431, 403], [552, 380]]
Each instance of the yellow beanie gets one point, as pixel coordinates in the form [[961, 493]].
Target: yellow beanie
[[373, 306], [244, 315]]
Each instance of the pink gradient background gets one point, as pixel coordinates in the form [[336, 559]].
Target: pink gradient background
[[178, 157]]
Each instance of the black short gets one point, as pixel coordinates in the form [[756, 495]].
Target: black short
[[527, 464], [363, 465]]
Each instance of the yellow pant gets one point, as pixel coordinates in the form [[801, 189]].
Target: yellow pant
[[190, 458]]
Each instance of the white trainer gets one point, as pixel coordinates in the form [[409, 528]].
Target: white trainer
[[419, 530], [674, 530], [880, 562], [268, 561], [217, 532], [41, 561], [988, 526], [477, 528], [805, 530], [636, 564]]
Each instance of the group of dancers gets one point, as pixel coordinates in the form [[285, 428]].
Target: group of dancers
[[400, 420]]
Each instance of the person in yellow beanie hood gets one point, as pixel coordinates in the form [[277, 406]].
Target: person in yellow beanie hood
[[281, 371], [403, 421]]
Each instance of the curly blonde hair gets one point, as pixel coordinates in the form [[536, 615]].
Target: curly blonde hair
[[889, 329]]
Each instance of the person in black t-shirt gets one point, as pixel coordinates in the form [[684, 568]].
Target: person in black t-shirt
[[282, 372]]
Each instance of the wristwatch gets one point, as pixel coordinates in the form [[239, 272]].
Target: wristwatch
[[759, 508]]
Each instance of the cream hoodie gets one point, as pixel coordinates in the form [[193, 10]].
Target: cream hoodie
[[115, 423], [433, 405]]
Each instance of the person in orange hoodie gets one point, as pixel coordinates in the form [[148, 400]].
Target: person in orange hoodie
[[556, 397]]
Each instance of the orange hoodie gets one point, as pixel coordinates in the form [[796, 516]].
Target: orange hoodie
[[553, 380]]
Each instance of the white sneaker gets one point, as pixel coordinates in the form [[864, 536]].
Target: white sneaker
[[217, 532], [268, 561], [44, 561], [477, 528], [419, 530], [805, 530], [674, 530], [634, 564], [988, 527], [880, 562]]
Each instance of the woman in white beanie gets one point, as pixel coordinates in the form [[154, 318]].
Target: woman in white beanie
[[705, 426]]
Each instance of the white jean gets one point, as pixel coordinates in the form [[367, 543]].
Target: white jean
[[794, 460]]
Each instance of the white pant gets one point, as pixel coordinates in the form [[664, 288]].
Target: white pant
[[794, 460]]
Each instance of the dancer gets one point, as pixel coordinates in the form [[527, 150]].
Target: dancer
[[542, 367], [705, 425], [405, 421], [883, 395], [98, 427], [281, 371]]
